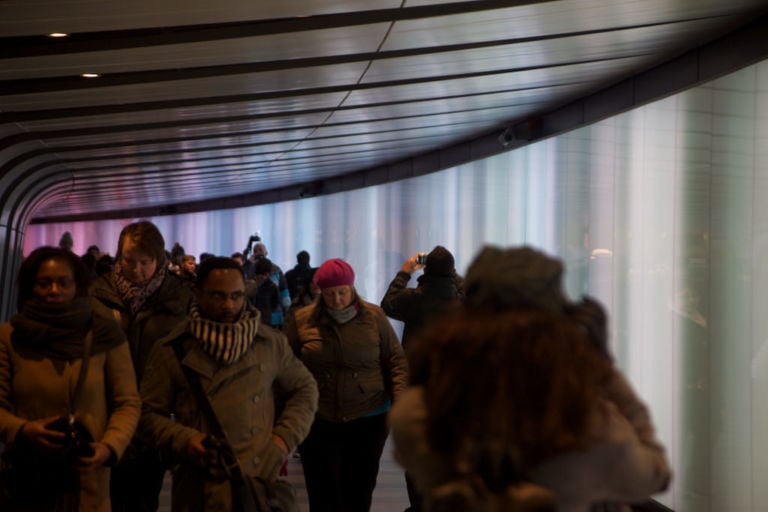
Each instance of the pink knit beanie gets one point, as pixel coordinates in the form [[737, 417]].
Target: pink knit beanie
[[335, 272]]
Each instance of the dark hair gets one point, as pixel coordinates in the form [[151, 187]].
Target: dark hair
[[177, 249], [302, 258], [262, 266], [104, 264], [591, 316], [238, 255], [25, 279], [215, 263], [305, 291], [440, 262], [525, 381], [147, 238]]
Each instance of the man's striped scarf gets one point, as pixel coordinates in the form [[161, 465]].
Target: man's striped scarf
[[226, 342]]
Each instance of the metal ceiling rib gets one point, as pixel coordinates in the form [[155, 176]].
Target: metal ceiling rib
[[246, 101]]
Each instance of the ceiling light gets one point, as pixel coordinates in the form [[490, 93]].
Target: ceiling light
[[90, 75], [58, 34]]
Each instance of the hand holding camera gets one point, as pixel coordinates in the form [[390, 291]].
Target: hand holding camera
[[415, 262], [251, 240], [212, 456], [76, 440]]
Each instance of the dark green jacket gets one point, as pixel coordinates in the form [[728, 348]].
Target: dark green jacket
[[359, 366]]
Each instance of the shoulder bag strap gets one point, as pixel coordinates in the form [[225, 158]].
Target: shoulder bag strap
[[197, 389], [87, 348], [230, 460]]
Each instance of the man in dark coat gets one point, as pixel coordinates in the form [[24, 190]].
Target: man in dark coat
[[437, 291], [299, 276]]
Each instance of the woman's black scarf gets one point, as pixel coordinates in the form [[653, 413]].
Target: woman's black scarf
[[58, 331]]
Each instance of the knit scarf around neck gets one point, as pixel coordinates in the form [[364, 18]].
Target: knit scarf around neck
[[345, 315], [135, 295], [59, 330], [225, 342]]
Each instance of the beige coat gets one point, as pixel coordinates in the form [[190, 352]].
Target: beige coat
[[33, 388], [242, 395]]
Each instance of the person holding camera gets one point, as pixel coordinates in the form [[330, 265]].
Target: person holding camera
[[437, 291], [209, 393], [68, 399]]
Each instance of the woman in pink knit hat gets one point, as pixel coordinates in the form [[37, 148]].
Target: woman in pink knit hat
[[353, 352]]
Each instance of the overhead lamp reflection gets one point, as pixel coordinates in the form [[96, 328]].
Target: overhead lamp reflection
[[90, 75], [600, 253], [58, 34]]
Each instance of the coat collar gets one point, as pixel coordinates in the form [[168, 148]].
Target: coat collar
[[211, 372]]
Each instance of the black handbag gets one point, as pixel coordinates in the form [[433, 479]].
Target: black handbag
[[27, 472]]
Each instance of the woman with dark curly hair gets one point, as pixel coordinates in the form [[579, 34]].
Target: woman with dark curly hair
[[58, 343]]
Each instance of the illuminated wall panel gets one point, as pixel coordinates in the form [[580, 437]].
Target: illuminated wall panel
[[661, 213]]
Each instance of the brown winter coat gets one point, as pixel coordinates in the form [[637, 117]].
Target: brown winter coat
[[162, 311], [242, 397], [35, 388], [359, 365]]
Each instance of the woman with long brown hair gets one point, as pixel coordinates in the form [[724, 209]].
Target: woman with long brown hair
[[516, 389]]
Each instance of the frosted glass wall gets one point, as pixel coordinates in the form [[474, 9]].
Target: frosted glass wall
[[661, 213]]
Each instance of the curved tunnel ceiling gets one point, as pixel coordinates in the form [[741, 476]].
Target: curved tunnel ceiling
[[201, 104]]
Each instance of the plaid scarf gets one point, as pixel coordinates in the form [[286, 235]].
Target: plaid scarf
[[135, 295], [226, 342]]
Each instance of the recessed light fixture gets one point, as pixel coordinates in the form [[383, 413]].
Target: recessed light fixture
[[90, 75], [58, 34]]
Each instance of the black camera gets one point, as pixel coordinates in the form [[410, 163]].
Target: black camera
[[77, 440], [222, 463], [421, 258]]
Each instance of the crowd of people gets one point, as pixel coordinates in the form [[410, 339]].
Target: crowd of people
[[501, 396]]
